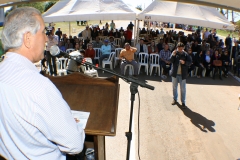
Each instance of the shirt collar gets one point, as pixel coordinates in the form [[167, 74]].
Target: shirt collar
[[20, 60]]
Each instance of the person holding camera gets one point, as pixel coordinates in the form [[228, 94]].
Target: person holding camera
[[52, 40], [180, 62]]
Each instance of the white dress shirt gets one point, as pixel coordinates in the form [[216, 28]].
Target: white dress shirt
[[35, 121]]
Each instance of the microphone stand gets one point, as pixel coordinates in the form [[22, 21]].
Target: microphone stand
[[134, 83]]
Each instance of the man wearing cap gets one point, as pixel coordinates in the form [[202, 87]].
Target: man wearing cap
[[180, 62], [106, 50], [128, 55]]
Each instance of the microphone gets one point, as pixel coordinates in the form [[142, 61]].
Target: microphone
[[56, 52]]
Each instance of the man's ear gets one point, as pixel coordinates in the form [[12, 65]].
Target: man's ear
[[27, 39]]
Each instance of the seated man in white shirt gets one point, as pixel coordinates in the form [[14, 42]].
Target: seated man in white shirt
[[141, 47], [36, 122]]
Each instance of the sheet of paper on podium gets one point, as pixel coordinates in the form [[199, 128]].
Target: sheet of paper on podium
[[82, 117]]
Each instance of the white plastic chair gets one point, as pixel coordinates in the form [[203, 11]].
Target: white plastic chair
[[117, 42], [154, 62], [116, 58], [108, 61], [130, 68], [70, 50], [143, 61], [97, 54], [88, 70], [62, 66]]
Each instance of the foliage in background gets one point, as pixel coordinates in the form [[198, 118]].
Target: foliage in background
[[41, 6], [38, 5], [1, 50], [139, 7], [49, 5]]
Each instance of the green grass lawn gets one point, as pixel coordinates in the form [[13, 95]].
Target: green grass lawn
[[74, 28], [225, 33]]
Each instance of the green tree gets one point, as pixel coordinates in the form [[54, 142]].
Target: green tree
[[139, 7], [48, 5], [38, 5]]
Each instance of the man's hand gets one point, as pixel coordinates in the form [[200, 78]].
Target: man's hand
[[174, 52], [182, 61]]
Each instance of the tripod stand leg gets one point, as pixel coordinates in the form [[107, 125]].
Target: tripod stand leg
[[134, 90]]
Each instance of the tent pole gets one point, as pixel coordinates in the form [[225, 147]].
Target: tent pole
[[135, 38], [69, 28]]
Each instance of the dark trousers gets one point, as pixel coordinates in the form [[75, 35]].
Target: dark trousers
[[191, 68], [200, 69], [102, 57], [51, 63], [225, 69], [208, 68], [166, 67], [217, 69]]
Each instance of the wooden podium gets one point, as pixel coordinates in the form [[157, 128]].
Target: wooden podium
[[99, 96]]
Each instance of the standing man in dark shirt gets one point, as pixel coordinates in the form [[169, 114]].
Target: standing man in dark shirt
[[180, 62], [130, 26], [59, 33], [160, 45], [228, 43]]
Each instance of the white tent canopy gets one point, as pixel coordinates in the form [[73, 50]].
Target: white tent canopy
[[75, 10], [225, 4], [182, 13]]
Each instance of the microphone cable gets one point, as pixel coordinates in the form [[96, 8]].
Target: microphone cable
[[139, 126]]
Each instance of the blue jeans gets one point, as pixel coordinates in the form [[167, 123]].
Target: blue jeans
[[182, 83]]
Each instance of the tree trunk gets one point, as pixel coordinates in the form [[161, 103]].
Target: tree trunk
[[227, 13], [232, 16]]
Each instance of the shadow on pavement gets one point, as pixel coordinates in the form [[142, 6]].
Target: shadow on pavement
[[198, 120]]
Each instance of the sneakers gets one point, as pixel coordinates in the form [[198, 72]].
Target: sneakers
[[174, 102]]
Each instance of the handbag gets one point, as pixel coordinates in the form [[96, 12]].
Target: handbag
[[217, 62]]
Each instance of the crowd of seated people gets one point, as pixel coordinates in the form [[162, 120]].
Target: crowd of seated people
[[203, 50]]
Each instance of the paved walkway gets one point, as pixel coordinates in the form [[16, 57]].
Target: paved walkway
[[208, 129]]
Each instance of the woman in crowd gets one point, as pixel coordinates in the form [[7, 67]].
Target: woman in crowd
[[68, 45], [199, 63], [90, 52], [207, 62], [217, 66], [226, 62], [94, 33], [152, 48], [81, 45], [192, 66]]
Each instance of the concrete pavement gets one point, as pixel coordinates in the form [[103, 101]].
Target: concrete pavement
[[209, 129]]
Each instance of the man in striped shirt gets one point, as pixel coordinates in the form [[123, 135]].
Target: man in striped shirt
[[35, 121]]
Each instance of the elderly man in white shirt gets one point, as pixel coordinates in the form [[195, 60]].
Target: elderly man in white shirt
[[36, 122], [141, 47]]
